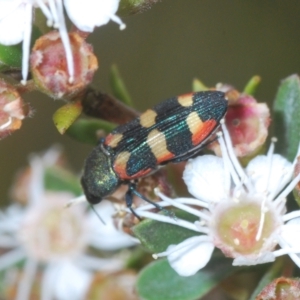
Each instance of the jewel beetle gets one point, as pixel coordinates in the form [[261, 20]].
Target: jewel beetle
[[172, 131]]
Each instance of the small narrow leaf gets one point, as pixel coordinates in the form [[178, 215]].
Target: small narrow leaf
[[58, 179], [65, 116], [88, 131], [158, 281], [118, 86], [199, 86], [274, 272], [286, 116], [157, 236], [252, 85]]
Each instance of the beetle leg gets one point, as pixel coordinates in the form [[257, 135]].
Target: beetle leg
[[129, 195], [128, 198]]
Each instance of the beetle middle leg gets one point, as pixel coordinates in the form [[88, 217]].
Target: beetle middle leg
[[129, 200]]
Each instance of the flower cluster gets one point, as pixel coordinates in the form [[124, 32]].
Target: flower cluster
[[53, 240], [240, 211], [16, 18]]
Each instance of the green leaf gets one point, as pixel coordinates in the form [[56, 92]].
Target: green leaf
[[199, 86], [85, 131], [286, 116], [118, 86], [252, 85], [158, 281], [274, 272], [10, 57], [58, 179], [157, 236], [65, 116]]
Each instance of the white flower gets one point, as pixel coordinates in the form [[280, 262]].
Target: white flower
[[106, 236], [16, 21], [46, 233], [88, 14], [241, 211]]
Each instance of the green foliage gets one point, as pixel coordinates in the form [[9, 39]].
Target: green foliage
[[274, 272], [85, 130], [252, 85], [158, 281], [198, 86], [286, 116], [157, 236], [118, 86], [65, 116], [58, 179], [10, 57]]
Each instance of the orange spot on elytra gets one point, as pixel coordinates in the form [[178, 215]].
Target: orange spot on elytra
[[203, 131]]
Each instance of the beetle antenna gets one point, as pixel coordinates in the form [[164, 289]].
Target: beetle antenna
[[97, 214]]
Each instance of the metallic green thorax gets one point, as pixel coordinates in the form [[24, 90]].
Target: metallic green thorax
[[99, 179]]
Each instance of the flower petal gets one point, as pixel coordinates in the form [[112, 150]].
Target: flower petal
[[88, 14], [205, 178], [66, 281], [265, 257], [12, 23], [107, 236], [291, 230], [188, 257], [259, 170]]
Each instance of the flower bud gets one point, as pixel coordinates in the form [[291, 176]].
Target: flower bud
[[12, 109], [247, 122], [49, 65], [280, 288]]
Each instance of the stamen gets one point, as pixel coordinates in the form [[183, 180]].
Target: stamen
[[269, 161], [234, 160], [54, 14], [181, 206], [76, 201], [6, 124], [263, 203], [291, 215], [167, 219], [286, 178], [26, 42], [285, 247], [228, 165], [189, 201], [64, 37], [41, 4], [262, 219], [118, 21], [289, 188], [279, 205]]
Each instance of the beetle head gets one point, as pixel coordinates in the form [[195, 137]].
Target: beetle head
[[99, 179]]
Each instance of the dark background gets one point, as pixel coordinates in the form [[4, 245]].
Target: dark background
[[159, 54]]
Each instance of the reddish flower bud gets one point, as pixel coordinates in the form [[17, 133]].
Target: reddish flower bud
[[49, 65], [247, 122], [12, 109], [280, 288]]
